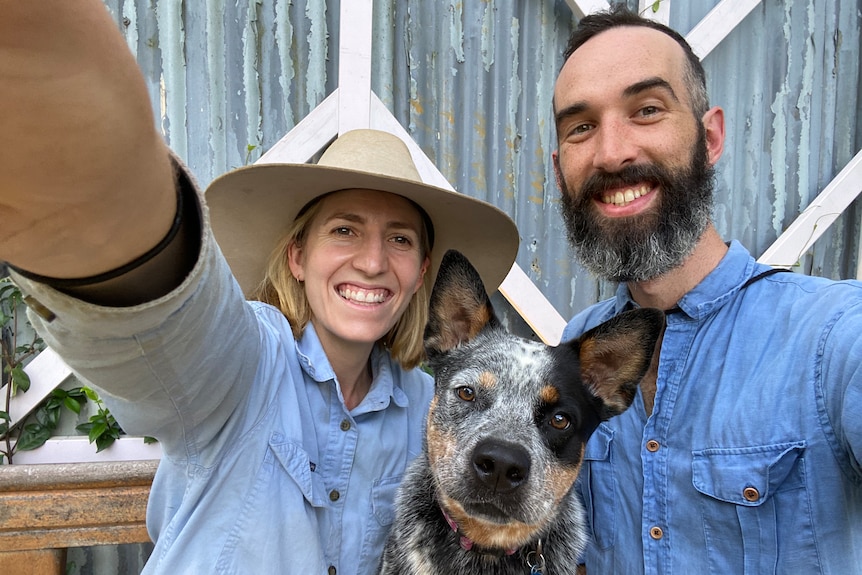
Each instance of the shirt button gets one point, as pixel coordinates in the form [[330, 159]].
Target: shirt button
[[652, 445], [751, 494], [656, 533], [331, 570], [345, 424], [334, 495]]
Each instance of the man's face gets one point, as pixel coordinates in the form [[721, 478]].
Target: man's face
[[633, 164]]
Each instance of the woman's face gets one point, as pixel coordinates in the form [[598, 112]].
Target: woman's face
[[361, 262]]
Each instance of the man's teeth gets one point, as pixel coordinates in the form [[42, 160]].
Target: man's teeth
[[362, 296], [626, 197]]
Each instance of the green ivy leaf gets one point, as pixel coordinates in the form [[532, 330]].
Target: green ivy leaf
[[32, 437], [148, 440], [655, 6], [20, 379], [98, 429], [92, 395], [72, 404]]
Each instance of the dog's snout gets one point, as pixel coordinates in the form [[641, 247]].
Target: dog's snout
[[501, 466]]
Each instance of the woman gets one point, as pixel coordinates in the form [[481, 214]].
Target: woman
[[285, 423]]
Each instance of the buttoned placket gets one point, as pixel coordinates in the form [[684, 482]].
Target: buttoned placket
[[339, 456], [656, 536]]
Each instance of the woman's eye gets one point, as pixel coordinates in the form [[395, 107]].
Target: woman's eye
[[560, 421], [466, 393]]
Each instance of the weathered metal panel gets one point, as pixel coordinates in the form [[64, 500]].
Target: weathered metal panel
[[472, 81]]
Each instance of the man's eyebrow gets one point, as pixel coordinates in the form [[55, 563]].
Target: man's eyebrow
[[573, 110], [649, 84]]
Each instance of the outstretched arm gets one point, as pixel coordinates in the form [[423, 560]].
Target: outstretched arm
[[86, 183]]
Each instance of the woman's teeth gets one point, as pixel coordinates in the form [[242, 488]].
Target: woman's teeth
[[362, 296]]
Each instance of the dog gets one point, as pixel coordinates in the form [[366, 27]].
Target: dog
[[492, 491]]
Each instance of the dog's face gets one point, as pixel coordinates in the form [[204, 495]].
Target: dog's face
[[510, 418]]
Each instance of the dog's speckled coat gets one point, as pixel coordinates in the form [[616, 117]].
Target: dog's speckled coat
[[505, 435]]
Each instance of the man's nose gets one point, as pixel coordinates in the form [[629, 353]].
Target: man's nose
[[615, 147]]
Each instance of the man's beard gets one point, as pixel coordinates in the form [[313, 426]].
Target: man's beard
[[648, 245]]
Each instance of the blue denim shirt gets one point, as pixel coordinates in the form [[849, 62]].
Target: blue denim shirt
[[750, 461], [264, 469]]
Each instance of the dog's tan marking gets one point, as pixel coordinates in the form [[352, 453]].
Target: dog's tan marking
[[550, 394], [441, 445], [487, 380], [463, 321], [607, 365], [562, 477], [487, 534]]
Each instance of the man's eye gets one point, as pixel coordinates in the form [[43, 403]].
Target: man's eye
[[649, 110]]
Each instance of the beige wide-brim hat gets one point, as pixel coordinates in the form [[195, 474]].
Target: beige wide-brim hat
[[251, 208]]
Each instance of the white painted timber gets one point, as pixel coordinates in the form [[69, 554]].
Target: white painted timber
[[312, 134], [583, 7], [789, 248], [545, 321], [716, 25], [354, 65], [78, 449]]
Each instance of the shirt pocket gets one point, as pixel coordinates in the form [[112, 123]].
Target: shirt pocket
[[278, 514], [753, 492], [383, 499], [379, 522], [599, 484]]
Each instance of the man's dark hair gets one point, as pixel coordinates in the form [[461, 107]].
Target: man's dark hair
[[619, 16]]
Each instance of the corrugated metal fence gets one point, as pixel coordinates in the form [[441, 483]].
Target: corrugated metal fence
[[472, 81]]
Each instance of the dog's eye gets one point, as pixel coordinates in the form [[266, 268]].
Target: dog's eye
[[466, 393], [560, 421]]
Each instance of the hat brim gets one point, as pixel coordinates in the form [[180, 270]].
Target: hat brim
[[251, 208]]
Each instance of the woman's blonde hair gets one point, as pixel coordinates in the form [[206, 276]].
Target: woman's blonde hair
[[281, 289]]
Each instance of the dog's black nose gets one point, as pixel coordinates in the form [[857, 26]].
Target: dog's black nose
[[501, 466]]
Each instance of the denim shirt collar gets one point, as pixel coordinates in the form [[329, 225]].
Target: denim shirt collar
[[316, 366], [719, 286]]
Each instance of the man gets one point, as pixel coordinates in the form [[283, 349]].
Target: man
[[742, 451]]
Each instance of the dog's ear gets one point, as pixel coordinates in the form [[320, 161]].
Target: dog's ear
[[460, 307], [615, 356]]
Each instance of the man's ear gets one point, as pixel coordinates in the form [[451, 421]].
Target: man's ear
[[555, 158], [713, 124]]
